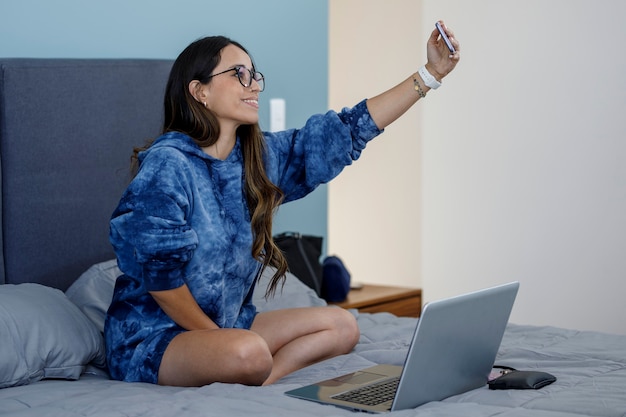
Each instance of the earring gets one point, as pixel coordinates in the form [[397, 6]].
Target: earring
[[204, 102]]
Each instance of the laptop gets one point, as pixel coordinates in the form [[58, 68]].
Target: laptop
[[453, 351]]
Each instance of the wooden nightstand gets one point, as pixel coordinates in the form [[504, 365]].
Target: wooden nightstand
[[379, 298]]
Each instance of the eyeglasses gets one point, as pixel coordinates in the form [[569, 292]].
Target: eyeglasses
[[245, 76]]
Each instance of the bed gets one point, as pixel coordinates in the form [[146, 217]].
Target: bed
[[67, 127]]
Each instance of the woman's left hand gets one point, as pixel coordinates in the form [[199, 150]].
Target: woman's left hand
[[440, 60]]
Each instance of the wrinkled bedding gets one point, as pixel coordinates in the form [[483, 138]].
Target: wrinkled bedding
[[590, 367]]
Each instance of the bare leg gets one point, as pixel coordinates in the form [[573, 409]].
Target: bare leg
[[280, 342], [302, 336], [200, 357]]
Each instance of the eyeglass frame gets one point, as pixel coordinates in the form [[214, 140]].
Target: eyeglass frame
[[253, 75]]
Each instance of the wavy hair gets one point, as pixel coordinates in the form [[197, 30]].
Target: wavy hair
[[184, 114]]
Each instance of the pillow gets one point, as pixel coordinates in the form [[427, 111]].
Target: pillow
[[93, 290], [293, 294], [44, 335]]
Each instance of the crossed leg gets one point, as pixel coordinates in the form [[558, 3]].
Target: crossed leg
[[278, 343], [303, 336]]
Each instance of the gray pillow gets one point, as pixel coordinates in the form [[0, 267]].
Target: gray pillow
[[293, 294], [93, 290], [44, 335]]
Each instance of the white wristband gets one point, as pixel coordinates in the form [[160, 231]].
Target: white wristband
[[429, 80]]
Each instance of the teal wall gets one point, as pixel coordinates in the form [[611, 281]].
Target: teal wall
[[288, 40]]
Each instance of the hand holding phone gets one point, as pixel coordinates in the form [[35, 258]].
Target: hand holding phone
[[445, 38]]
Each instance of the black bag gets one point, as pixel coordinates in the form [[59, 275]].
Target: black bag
[[303, 254], [511, 378]]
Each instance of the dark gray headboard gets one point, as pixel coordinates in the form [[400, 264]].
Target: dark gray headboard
[[67, 129]]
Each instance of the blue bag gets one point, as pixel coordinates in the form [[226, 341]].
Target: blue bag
[[335, 280]]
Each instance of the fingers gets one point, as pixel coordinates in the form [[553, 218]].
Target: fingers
[[453, 40], [434, 36]]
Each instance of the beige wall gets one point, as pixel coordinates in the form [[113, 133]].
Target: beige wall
[[374, 216], [513, 170]]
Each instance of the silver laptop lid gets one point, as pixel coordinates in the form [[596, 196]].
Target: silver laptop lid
[[455, 345]]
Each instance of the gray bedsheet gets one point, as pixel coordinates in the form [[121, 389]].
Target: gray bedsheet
[[590, 367]]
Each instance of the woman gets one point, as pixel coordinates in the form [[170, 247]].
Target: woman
[[193, 230]]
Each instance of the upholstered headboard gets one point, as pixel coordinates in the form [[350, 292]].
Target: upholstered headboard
[[67, 129]]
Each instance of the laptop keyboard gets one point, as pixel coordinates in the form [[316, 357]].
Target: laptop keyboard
[[373, 394]]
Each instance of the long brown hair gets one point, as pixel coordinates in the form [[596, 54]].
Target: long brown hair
[[184, 114]]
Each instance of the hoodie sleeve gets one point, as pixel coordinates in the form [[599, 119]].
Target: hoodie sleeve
[[299, 160], [149, 228]]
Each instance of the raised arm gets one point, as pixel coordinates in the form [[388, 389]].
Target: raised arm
[[390, 105]]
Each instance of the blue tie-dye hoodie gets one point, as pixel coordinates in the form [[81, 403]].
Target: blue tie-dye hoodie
[[184, 220]]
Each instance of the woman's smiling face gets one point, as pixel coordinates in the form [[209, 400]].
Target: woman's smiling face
[[231, 102]]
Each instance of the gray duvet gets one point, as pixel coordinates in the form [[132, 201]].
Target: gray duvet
[[590, 367]]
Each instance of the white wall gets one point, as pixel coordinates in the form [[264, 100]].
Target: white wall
[[522, 159]]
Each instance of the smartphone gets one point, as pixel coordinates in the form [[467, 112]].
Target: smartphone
[[445, 37]]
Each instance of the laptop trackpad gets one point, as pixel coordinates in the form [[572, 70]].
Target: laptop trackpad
[[359, 378]]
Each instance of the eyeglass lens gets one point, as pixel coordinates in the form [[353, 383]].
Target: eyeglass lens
[[245, 77]]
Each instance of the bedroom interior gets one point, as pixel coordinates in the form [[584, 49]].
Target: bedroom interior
[[506, 180]]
